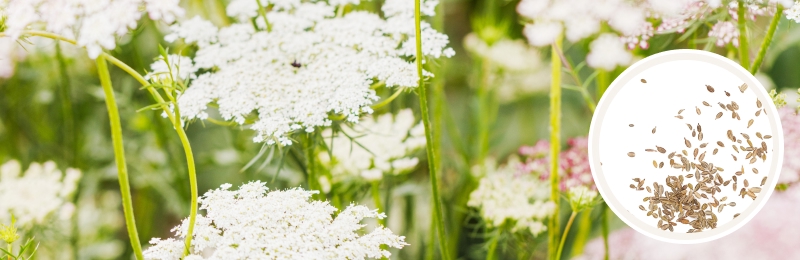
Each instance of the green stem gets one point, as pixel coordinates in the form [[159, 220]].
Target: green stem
[[429, 138], [388, 100], [584, 228], [119, 156], [773, 25], [602, 82], [555, 143], [744, 54], [263, 13], [376, 197], [604, 229], [566, 233], [491, 252], [313, 181]]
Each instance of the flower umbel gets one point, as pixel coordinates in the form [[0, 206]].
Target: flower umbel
[[307, 62], [581, 198], [251, 223]]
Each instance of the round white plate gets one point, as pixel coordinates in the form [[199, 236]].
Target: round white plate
[[677, 80]]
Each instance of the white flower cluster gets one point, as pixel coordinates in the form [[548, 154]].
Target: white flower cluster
[[520, 67], [37, 194], [633, 21], [793, 13], [251, 223], [94, 24], [504, 195], [303, 63], [374, 146]]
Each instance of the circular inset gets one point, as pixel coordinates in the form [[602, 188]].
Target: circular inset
[[686, 146]]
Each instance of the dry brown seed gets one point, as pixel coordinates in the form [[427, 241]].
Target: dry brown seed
[[630, 125], [727, 94], [661, 165], [655, 164], [661, 149], [700, 136], [763, 181], [706, 104], [694, 133], [697, 109], [685, 154], [755, 170], [767, 136], [699, 129], [649, 191], [633, 186], [746, 183], [703, 145], [758, 113], [679, 117], [729, 107], [654, 130], [734, 105], [720, 144], [722, 106], [680, 111], [749, 123], [753, 160], [723, 199], [730, 136], [746, 136], [758, 103], [735, 149], [645, 81], [710, 89], [631, 154], [735, 115], [735, 215], [734, 157], [743, 87], [687, 143], [758, 134], [715, 151], [642, 208], [703, 155], [718, 115], [763, 146], [695, 152], [672, 154]]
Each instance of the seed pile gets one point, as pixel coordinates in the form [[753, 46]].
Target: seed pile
[[689, 194]]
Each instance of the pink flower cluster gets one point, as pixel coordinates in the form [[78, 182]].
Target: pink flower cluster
[[573, 162], [790, 172]]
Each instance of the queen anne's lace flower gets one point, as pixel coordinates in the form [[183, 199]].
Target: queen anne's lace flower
[[251, 223], [93, 23], [374, 147], [608, 52], [504, 196], [39, 193], [308, 61]]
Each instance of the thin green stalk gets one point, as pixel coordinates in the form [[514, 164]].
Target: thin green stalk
[[773, 25], [566, 233], [66, 109], [263, 13], [555, 144], [602, 82], [119, 156], [433, 159], [584, 228], [744, 52], [376, 197], [388, 100], [491, 252], [604, 228], [313, 181]]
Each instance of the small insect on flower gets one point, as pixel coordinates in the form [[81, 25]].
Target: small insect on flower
[[296, 64]]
